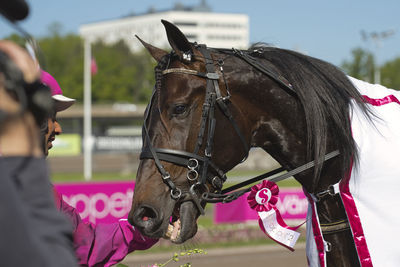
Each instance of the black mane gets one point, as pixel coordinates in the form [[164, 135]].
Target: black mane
[[325, 93]]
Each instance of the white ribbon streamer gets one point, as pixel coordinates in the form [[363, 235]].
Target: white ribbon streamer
[[276, 231]]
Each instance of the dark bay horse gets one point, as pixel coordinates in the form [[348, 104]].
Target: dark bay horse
[[210, 106]]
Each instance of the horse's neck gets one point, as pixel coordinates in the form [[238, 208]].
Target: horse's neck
[[278, 124], [279, 128]]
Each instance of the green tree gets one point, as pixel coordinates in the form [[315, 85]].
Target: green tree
[[122, 76], [63, 58], [16, 39], [361, 66], [390, 73]]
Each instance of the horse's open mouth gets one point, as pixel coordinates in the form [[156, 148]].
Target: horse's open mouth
[[174, 227], [183, 223]]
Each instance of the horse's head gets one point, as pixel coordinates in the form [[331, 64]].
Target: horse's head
[[179, 136], [291, 105]]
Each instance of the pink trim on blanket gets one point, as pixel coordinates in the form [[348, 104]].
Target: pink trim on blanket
[[348, 200], [319, 240], [355, 223], [381, 101]]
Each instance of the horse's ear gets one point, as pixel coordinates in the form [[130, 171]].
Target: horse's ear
[[155, 52], [178, 41]]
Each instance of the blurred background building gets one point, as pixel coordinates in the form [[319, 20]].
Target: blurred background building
[[198, 23]]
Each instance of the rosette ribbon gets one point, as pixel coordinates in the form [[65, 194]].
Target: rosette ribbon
[[263, 198]]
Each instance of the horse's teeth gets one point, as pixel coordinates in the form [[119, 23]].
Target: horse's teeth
[[169, 232], [176, 230], [173, 231]]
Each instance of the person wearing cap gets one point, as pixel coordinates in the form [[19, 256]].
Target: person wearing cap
[[95, 245], [52, 127]]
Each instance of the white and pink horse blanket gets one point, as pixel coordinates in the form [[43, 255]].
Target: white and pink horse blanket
[[371, 192]]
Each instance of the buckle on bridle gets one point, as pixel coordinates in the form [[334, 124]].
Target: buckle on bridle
[[330, 191], [166, 176], [192, 164], [176, 193], [192, 174], [212, 76], [216, 182]]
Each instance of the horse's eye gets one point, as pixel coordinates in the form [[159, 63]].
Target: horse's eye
[[179, 109]]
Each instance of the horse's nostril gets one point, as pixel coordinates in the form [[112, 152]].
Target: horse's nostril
[[145, 216], [147, 213], [147, 219]]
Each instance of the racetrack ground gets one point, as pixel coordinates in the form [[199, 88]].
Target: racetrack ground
[[247, 256]]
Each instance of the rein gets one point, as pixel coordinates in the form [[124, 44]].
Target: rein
[[197, 163], [226, 198]]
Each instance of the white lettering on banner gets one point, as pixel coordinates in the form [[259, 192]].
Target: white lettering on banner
[[292, 204], [124, 143], [94, 201], [99, 205], [119, 205]]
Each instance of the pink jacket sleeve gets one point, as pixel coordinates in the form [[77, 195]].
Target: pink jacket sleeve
[[102, 244]]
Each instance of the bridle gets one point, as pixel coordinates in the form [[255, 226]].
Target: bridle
[[195, 162]]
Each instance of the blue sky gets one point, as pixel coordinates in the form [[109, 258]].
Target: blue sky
[[328, 30]]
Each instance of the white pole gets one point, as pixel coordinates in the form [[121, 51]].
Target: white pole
[[87, 112], [377, 38], [377, 72]]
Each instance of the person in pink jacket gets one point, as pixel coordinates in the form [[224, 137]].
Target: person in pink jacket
[[95, 245]]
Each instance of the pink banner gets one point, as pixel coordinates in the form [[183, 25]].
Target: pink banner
[[292, 205], [107, 202], [104, 202]]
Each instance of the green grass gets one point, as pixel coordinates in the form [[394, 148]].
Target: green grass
[[193, 244], [290, 182], [207, 221], [99, 177]]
